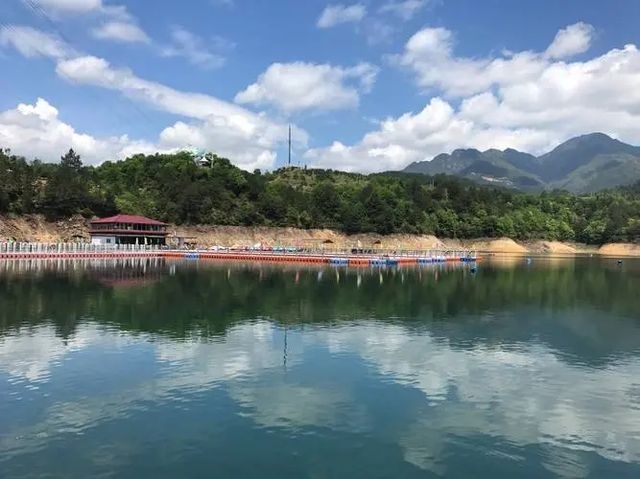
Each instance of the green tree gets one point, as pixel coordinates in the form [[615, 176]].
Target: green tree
[[71, 160]]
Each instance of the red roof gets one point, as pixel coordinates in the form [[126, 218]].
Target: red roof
[[132, 219]]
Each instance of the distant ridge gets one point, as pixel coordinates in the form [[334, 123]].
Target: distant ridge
[[582, 164]]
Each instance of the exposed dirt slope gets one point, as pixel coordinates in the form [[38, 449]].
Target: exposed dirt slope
[[501, 245], [36, 228], [248, 236], [552, 247], [620, 249]]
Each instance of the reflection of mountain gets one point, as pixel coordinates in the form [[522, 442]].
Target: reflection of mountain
[[205, 299]]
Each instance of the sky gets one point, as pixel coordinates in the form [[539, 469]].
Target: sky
[[367, 86]]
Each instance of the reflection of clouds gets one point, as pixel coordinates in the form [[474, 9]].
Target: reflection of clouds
[[525, 395], [250, 350], [522, 395], [245, 349], [30, 355], [185, 367], [280, 404], [246, 352], [565, 463], [424, 447]]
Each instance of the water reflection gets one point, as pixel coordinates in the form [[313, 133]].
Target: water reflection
[[537, 377]]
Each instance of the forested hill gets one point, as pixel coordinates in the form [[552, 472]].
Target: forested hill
[[173, 188], [583, 164]]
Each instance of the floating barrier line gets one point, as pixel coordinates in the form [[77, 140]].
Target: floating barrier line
[[79, 250]]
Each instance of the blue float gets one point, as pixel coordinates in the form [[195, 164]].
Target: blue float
[[339, 261]]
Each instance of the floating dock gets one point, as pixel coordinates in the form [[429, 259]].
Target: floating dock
[[338, 258], [333, 260]]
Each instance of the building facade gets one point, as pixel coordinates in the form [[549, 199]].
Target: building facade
[[128, 229]]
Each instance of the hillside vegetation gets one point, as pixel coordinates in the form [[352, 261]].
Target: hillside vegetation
[[174, 189]]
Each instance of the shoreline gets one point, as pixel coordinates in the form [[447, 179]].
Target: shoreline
[[379, 258], [34, 228]]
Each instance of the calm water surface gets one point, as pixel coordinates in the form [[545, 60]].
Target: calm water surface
[[186, 369]]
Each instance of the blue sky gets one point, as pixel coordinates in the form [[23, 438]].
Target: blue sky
[[368, 85]]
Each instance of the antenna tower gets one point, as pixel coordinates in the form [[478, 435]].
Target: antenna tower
[[289, 144]]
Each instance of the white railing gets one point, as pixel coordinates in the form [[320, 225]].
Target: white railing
[[15, 247], [62, 249]]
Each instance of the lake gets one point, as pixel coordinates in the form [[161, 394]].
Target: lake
[[166, 369]]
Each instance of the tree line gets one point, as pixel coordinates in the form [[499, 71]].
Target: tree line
[[173, 188]]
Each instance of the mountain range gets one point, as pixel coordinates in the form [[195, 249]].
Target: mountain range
[[583, 164]]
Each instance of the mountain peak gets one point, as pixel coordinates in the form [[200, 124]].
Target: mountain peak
[[465, 152], [596, 135], [585, 163], [589, 139], [579, 151]]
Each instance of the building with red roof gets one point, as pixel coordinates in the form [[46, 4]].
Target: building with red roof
[[128, 229]]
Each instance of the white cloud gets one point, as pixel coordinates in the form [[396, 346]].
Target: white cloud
[[195, 50], [299, 86], [429, 54], [571, 41], [90, 70], [120, 26], [76, 6], [121, 32], [247, 145], [438, 127], [36, 131], [525, 100], [117, 23], [397, 142], [403, 9], [334, 15], [33, 43], [81, 7], [377, 27], [246, 138]]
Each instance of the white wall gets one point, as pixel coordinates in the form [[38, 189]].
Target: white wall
[[103, 240]]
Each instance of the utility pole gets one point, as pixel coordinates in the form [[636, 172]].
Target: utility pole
[[289, 144]]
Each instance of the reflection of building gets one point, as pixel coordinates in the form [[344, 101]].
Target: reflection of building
[[126, 272], [128, 229]]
